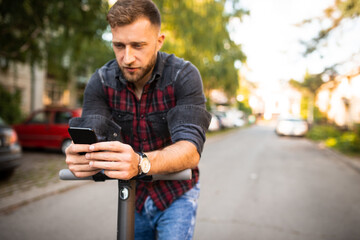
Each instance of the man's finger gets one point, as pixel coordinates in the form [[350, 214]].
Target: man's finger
[[77, 148], [85, 174], [108, 156], [114, 146], [123, 175], [76, 159], [82, 168], [117, 166]]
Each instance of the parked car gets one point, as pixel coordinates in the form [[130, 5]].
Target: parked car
[[230, 118], [47, 128], [291, 126], [10, 150]]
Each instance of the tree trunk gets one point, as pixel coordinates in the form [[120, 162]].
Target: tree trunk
[[310, 117], [32, 85]]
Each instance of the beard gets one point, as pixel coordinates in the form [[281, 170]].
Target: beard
[[141, 73]]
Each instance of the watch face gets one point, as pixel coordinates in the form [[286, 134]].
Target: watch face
[[145, 165]]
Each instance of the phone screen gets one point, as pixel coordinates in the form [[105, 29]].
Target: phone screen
[[82, 135]]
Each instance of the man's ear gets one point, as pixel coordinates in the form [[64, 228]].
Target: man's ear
[[160, 41]]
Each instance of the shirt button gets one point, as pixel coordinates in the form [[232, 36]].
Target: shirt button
[[144, 139], [142, 116]]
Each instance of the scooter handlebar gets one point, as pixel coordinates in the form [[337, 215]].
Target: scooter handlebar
[[66, 174], [182, 175]]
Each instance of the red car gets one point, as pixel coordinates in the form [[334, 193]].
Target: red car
[[47, 128]]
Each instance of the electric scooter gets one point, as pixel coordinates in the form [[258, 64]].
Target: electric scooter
[[126, 196]]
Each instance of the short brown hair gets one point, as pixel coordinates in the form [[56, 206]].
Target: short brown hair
[[125, 12]]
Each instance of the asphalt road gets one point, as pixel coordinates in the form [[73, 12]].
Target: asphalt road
[[254, 185]]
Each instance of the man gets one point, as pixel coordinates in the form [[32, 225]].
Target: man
[[158, 101]]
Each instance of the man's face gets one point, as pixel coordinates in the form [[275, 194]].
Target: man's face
[[135, 47]]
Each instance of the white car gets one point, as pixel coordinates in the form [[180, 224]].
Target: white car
[[214, 123], [291, 127], [231, 118]]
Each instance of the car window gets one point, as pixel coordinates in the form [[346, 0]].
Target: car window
[[41, 117], [62, 117]]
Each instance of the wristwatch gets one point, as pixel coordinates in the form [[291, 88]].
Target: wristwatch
[[144, 164]]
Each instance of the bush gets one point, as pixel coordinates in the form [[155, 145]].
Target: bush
[[10, 106], [323, 132], [346, 142], [319, 117]]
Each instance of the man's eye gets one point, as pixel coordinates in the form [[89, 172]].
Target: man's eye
[[119, 46], [138, 46]]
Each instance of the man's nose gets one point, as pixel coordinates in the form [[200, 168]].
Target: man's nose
[[129, 56]]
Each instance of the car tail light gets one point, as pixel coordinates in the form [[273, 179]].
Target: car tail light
[[10, 137], [13, 137]]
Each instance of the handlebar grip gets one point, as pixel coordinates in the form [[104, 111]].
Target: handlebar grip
[[66, 174]]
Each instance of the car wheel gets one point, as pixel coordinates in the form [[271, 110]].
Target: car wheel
[[65, 144]]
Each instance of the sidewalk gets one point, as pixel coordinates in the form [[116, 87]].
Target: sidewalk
[[12, 202]]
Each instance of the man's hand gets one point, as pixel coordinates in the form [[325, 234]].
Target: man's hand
[[117, 159], [77, 163]]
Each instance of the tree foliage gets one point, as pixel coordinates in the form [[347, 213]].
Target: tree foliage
[[309, 87], [66, 36], [311, 83], [57, 33], [197, 32], [10, 105], [337, 13]]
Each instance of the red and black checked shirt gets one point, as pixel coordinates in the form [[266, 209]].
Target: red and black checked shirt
[[171, 108]]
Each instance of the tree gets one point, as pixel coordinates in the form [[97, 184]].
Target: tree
[[197, 32], [309, 87], [10, 106], [54, 34], [65, 36], [337, 15], [341, 10]]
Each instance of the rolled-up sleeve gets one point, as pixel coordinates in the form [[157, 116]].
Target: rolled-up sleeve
[[189, 120]]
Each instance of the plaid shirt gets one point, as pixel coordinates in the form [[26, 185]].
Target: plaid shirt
[[162, 116]]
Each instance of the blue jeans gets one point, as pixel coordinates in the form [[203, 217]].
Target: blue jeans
[[177, 222]]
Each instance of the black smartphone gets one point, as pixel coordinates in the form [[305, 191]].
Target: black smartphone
[[82, 135]]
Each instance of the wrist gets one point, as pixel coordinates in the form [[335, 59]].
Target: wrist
[[144, 164]]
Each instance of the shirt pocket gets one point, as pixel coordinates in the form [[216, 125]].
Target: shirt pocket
[[125, 121], [158, 123]]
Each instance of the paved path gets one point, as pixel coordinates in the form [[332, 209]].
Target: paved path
[[255, 185]]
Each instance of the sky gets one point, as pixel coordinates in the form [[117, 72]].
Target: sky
[[271, 40]]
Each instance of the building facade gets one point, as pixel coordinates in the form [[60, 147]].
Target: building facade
[[36, 92], [340, 100]]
